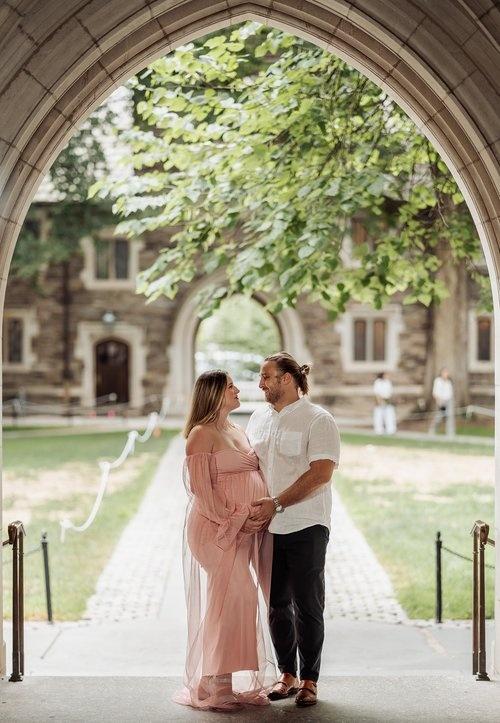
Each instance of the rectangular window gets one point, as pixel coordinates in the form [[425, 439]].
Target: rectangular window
[[102, 260], [484, 338], [359, 340], [379, 340], [369, 340], [32, 226], [112, 259], [121, 259], [13, 342]]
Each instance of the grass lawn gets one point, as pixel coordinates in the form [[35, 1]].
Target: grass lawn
[[475, 429], [400, 497], [50, 478], [454, 447]]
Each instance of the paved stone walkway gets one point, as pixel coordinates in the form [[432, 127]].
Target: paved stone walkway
[[134, 582], [143, 576], [357, 586]]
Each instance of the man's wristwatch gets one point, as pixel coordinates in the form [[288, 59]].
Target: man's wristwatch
[[278, 507]]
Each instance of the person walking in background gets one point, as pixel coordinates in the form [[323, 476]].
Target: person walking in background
[[384, 414], [442, 392]]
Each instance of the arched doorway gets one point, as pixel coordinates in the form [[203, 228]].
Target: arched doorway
[[181, 349], [438, 62], [237, 338], [112, 371]]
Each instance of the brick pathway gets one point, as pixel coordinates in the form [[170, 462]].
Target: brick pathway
[[134, 582], [143, 576], [357, 586]]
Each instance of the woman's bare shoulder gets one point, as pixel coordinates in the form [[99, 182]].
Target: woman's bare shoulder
[[200, 439], [240, 431]]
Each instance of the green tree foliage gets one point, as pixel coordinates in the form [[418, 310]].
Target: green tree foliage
[[261, 168], [71, 215]]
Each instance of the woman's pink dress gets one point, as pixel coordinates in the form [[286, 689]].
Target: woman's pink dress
[[227, 576]]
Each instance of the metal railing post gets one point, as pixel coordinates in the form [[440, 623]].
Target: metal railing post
[[16, 539], [481, 673], [475, 616], [481, 539], [46, 570], [439, 589]]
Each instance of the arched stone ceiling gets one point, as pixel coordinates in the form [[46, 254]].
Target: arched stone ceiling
[[439, 60]]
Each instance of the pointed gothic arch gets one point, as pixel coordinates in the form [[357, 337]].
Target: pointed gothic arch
[[439, 61]]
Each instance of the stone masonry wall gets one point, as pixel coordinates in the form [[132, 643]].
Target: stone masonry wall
[[343, 391]]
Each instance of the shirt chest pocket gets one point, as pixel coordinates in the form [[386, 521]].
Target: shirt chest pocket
[[290, 443]]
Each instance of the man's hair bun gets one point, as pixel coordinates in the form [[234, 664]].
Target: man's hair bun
[[305, 369]]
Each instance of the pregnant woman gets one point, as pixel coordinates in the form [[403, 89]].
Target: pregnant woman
[[227, 561]]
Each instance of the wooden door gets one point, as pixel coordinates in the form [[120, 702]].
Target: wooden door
[[112, 370]]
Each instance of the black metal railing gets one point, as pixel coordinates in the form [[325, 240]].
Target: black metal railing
[[440, 547], [43, 547], [480, 532], [16, 539]]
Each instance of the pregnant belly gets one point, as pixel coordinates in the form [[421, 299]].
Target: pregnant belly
[[244, 488]]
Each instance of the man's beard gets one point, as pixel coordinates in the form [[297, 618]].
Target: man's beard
[[273, 395]]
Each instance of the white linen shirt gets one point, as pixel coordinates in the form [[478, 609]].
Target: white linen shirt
[[286, 443]]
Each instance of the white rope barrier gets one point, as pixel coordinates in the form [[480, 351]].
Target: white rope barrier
[[473, 409], [154, 420]]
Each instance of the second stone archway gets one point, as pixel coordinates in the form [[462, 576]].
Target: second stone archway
[[181, 349]]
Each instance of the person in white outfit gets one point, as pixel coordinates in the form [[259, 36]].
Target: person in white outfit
[[442, 392], [298, 447], [384, 414]]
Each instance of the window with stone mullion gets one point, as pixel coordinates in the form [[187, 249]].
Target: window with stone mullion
[[112, 259], [369, 340]]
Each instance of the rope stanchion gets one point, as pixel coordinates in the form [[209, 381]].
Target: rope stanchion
[[154, 420], [439, 587]]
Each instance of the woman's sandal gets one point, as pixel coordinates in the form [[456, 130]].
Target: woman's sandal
[[211, 687], [307, 695], [281, 690]]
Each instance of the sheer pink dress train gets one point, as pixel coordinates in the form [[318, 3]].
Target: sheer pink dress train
[[227, 576]]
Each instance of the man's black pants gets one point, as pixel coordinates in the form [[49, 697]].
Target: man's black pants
[[298, 599]]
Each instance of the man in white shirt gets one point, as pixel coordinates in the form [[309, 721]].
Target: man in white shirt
[[298, 446], [384, 414], [442, 391]]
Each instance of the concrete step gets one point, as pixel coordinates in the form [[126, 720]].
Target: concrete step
[[392, 699]]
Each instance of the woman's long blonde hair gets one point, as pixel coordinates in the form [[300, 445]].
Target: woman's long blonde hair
[[207, 400]]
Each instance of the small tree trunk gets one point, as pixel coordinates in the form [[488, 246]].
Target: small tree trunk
[[447, 331]]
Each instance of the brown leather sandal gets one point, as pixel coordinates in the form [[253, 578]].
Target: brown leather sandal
[[281, 689], [308, 693]]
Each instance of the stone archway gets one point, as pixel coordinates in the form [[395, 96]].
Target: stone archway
[[180, 352], [439, 62]]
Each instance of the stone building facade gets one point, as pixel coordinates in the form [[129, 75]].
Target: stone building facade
[[120, 348]]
